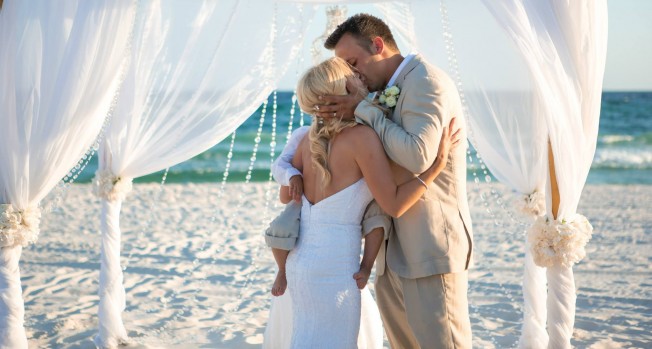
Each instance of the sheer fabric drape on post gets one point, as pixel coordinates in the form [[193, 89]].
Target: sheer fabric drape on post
[[507, 129], [563, 45], [60, 65], [555, 51], [194, 78]]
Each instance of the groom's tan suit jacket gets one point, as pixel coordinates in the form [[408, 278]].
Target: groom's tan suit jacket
[[435, 235]]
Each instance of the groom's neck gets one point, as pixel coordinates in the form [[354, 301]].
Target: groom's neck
[[393, 61]]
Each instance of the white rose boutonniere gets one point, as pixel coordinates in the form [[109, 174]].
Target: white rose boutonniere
[[389, 96]]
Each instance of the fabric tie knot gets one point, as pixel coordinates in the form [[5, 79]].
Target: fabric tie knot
[[18, 227]]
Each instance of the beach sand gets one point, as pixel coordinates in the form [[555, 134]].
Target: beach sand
[[198, 275]]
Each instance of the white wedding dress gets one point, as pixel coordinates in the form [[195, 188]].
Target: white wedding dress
[[323, 307]]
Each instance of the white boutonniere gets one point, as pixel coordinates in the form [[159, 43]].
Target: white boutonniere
[[389, 96]]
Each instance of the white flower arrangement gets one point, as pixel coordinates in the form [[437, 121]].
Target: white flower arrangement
[[389, 96], [534, 204], [559, 242], [108, 186], [18, 227]]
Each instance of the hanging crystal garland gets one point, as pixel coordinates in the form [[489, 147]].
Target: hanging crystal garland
[[334, 16], [259, 248], [205, 244], [453, 64], [299, 66], [63, 186], [301, 120], [196, 261], [498, 197], [213, 218], [225, 329], [147, 225]]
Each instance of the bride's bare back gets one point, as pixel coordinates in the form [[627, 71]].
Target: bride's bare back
[[356, 152], [344, 169]]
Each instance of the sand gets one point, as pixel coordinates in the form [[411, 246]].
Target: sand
[[197, 272]]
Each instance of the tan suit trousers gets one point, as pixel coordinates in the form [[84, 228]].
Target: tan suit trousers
[[429, 313]]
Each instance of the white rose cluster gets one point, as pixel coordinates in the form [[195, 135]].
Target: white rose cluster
[[18, 227], [555, 242], [108, 186], [534, 204], [389, 97]]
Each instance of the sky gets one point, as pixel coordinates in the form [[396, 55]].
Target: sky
[[629, 49]]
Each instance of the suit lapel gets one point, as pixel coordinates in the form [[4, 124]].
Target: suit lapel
[[408, 68], [396, 114]]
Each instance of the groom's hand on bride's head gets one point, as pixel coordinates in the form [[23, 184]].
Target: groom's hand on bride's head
[[342, 107]]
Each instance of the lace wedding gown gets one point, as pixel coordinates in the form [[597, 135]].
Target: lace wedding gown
[[323, 307]]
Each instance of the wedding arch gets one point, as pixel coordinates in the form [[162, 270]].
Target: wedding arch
[[153, 107]]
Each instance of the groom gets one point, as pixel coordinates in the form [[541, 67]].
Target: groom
[[421, 284]]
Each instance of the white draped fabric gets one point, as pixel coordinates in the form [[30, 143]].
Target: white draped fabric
[[194, 78], [506, 127], [556, 50], [562, 47], [60, 66]]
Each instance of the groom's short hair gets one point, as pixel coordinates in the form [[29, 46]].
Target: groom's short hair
[[364, 27]]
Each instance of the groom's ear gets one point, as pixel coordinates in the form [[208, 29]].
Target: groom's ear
[[377, 45]]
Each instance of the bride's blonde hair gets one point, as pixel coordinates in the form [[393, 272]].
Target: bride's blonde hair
[[326, 78]]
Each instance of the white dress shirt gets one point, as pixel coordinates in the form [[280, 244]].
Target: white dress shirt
[[282, 168]]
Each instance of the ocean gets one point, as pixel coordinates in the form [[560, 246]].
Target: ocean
[[623, 154]]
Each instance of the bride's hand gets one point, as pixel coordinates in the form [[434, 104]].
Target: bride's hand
[[450, 138]]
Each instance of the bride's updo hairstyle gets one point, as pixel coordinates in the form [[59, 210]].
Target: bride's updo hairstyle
[[326, 78]]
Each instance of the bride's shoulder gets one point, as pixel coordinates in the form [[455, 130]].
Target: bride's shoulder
[[358, 131], [360, 135]]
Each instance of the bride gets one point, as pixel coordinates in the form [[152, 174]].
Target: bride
[[344, 167]]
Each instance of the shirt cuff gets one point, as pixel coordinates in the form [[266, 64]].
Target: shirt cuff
[[381, 221], [291, 172]]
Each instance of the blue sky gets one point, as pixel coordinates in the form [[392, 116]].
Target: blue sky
[[629, 51]]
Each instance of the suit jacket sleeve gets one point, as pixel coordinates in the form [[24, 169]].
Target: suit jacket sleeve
[[282, 168], [412, 145]]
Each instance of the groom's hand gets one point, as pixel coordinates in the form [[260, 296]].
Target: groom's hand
[[342, 107]]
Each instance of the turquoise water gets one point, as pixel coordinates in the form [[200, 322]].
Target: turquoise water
[[623, 155]]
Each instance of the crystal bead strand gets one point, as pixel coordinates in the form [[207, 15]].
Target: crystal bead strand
[[195, 264], [157, 197], [255, 254], [453, 64], [72, 175], [174, 294], [252, 160], [452, 59], [292, 111], [258, 249], [272, 154], [225, 176], [295, 101], [450, 54]]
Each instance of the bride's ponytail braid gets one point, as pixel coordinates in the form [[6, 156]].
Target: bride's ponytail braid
[[327, 78]]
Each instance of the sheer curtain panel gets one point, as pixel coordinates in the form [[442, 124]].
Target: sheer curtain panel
[[197, 72], [60, 64]]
